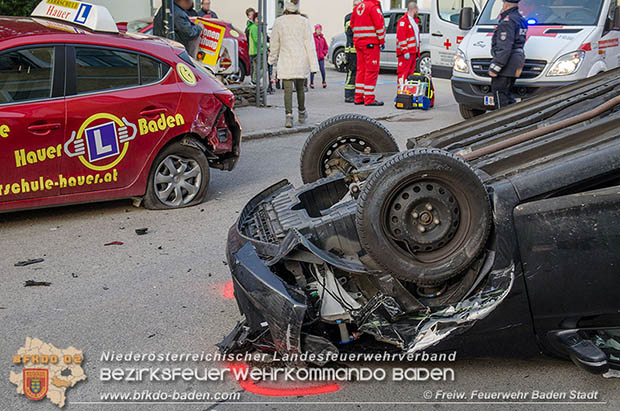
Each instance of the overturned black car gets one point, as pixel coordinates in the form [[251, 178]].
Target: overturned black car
[[499, 236]]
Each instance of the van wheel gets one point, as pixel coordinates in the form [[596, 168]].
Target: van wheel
[[365, 134], [468, 112], [179, 178], [424, 216]]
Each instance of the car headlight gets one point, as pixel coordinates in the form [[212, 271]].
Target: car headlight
[[460, 62], [567, 64]]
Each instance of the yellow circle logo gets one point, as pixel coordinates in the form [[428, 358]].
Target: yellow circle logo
[[234, 33], [186, 74], [102, 141]]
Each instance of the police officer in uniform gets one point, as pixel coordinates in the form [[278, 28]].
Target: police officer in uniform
[[349, 50], [507, 51]]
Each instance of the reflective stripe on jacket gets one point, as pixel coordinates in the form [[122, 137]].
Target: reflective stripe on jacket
[[367, 24], [406, 41]]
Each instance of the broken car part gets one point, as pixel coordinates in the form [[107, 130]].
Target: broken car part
[[29, 262], [508, 254]]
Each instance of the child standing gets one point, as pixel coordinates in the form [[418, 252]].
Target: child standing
[[321, 52]]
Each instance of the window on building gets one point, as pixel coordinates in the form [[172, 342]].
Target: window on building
[[26, 74]]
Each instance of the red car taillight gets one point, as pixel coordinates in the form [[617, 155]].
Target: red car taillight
[[227, 98]]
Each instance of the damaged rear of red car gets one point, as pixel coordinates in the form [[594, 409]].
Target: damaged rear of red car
[[495, 237], [99, 115]]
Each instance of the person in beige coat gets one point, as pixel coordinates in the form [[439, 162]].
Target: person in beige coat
[[292, 48]]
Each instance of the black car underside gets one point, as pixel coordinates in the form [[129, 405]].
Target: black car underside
[[399, 251]]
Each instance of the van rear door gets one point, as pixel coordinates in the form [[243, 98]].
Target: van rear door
[[445, 33]]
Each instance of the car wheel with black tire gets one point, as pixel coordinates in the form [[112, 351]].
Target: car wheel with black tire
[[179, 177], [364, 134], [423, 65], [424, 216], [340, 60], [468, 112]]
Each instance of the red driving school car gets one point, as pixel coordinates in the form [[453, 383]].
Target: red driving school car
[[90, 114]]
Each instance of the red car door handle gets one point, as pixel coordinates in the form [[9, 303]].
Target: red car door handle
[[43, 128], [153, 112]]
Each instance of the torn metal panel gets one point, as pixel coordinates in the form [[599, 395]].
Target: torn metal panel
[[417, 333], [309, 275]]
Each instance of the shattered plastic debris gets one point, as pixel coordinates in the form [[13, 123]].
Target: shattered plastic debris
[[29, 262], [33, 283], [142, 231], [417, 333], [113, 243]]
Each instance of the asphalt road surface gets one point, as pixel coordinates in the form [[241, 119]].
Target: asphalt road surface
[[167, 291]]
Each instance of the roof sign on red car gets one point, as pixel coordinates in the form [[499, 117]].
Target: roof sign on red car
[[210, 42], [96, 18]]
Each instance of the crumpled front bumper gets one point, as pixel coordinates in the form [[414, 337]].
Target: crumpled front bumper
[[277, 308]]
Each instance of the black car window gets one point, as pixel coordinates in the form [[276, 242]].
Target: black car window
[[151, 70], [386, 23], [26, 74], [424, 21], [393, 26], [100, 69]]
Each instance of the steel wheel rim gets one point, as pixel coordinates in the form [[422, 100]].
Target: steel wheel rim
[[425, 65], [340, 59], [454, 238], [177, 180], [328, 159]]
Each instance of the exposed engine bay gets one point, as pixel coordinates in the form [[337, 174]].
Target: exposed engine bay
[[459, 242]]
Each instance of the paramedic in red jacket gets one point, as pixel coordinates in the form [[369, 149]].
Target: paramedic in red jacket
[[368, 37], [408, 42]]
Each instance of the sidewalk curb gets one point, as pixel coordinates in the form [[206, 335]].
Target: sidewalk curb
[[279, 132]]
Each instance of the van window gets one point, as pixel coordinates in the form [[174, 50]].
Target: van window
[[26, 74], [549, 12], [450, 10]]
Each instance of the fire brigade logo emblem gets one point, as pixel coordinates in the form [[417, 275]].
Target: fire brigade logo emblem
[[101, 145], [35, 383]]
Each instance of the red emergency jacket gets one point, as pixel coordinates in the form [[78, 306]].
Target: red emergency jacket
[[367, 24], [406, 41]]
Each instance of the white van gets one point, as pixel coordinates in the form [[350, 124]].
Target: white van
[[567, 40]]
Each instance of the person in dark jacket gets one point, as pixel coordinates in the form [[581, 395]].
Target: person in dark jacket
[[205, 10], [185, 31], [191, 12], [351, 54], [507, 51]]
